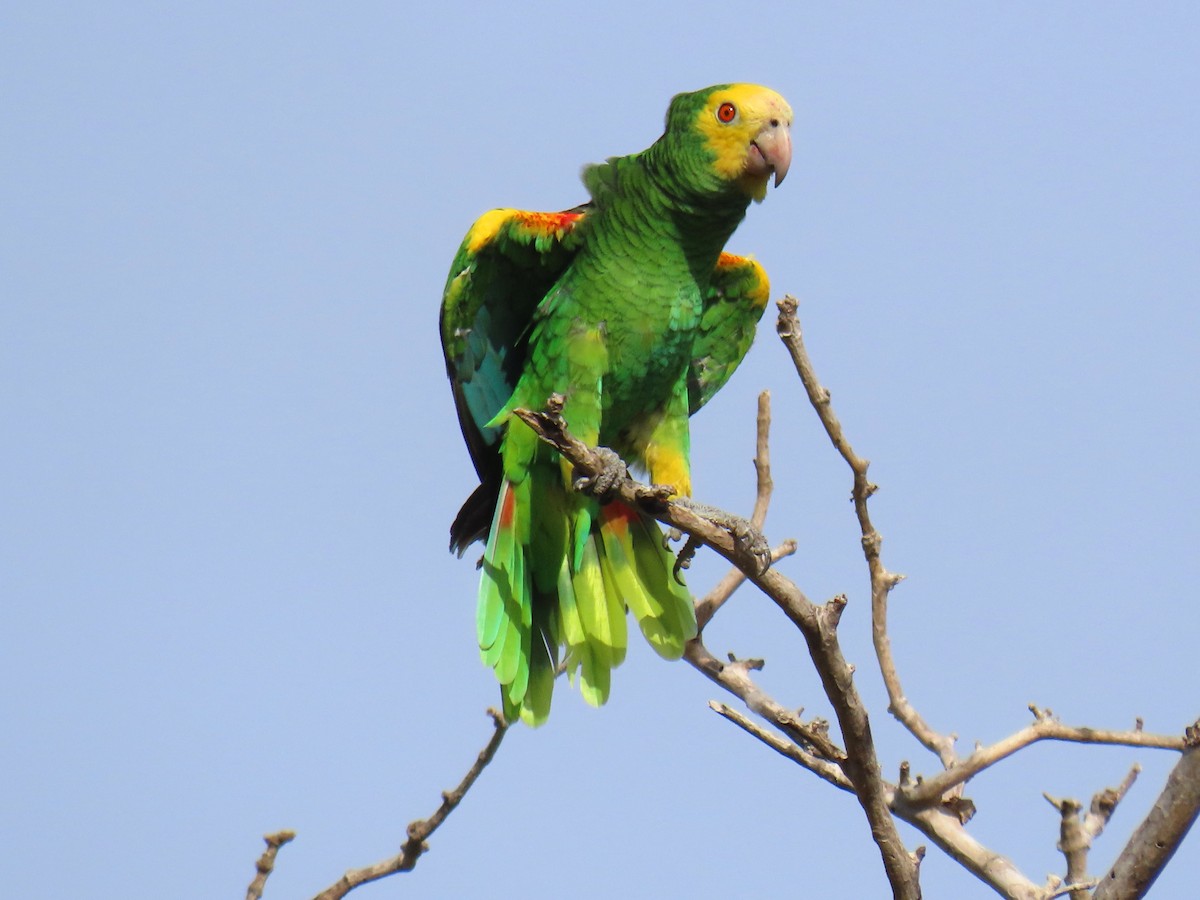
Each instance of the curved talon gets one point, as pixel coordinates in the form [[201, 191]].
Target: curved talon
[[683, 559]]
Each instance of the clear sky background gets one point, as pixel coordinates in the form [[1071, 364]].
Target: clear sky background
[[230, 457]]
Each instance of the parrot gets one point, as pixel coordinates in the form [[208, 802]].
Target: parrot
[[630, 310]]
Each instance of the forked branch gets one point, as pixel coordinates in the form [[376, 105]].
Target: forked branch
[[1045, 727], [1077, 832], [932, 805], [817, 624]]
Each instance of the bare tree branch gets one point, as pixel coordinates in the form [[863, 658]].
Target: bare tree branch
[[765, 486], [421, 829], [932, 805], [1160, 834], [994, 869], [1045, 727], [1076, 833], [1073, 841], [762, 462], [266, 863], [817, 624], [734, 676], [943, 826], [552, 428], [1059, 888], [815, 764], [882, 581]]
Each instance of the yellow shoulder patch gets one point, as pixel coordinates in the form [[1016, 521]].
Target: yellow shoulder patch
[[749, 276], [486, 228], [538, 228]]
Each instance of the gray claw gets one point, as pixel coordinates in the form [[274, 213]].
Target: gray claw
[[612, 474], [746, 537]]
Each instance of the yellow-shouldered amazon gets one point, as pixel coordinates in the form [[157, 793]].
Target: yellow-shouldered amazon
[[628, 308]]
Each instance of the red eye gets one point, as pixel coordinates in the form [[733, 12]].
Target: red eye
[[726, 113]]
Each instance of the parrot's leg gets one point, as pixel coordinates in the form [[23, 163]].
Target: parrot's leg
[[745, 536]]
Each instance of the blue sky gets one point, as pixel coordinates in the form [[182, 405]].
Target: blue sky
[[230, 457]]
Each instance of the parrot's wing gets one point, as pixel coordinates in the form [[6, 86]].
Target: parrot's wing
[[505, 266], [734, 303]]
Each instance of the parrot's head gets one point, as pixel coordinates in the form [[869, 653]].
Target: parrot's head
[[731, 135]]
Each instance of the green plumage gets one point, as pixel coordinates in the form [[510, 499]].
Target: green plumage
[[627, 308]]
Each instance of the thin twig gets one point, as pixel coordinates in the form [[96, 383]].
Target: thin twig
[[734, 676], [421, 829], [1044, 728], [815, 764], [266, 863], [762, 462], [882, 581], [764, 487]]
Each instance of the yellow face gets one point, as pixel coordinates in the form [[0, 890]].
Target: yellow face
[[748, 129]]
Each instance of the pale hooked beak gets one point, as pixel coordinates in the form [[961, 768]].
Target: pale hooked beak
[[771, 151]]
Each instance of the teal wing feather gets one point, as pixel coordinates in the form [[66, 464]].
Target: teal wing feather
[[733, 304], [503, 269]]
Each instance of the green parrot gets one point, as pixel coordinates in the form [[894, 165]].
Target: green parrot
[[628, 307]]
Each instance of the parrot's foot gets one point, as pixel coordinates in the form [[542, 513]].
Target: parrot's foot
[[746, 537], [613, 473]]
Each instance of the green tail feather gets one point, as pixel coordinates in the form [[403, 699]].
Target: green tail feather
[[600, 605], [564, 577], [548, 528], [543, 667], [489, 612], [595, 675], [643, 570], [505, 613]]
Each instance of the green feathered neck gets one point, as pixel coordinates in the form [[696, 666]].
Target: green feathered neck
[[670, 185]]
